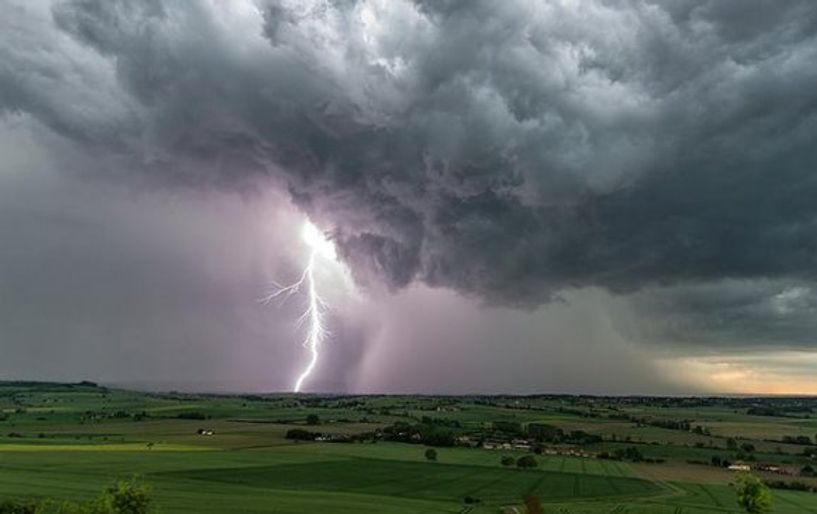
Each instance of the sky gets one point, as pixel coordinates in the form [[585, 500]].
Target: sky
[[523, 196]]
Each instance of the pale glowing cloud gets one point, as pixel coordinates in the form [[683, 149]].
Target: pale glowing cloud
[[789, 373]]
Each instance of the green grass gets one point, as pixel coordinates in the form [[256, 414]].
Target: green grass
[[425, 480], [70, 441]]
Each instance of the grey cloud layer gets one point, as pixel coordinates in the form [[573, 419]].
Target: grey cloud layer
[[727, 315], [505, 149]]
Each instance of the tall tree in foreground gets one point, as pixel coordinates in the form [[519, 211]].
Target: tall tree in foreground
[[753, 495]]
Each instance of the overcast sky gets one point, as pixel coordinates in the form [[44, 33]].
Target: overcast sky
[[524, 196]]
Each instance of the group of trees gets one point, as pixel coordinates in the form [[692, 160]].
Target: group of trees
[[797, 439], [123, 497], [629, 453], [794, 485], [196, 415], [544, 433], [420, 433], [299, 434], [720, 462], [523, 462], [784, 411]]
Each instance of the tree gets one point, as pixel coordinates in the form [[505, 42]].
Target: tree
[[431, 454], [526, 462], [313, 419], [731, 444], [123, 497], [753, 495], [507, 461], [299, 434]]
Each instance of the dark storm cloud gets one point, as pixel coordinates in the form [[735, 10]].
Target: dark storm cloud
[[732, 314], [505, 149]]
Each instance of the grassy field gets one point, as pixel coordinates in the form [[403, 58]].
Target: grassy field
[[69, 441]]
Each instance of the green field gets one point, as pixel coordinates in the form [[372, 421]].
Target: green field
[[68, 442]]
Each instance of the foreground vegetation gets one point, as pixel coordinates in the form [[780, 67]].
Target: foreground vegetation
[[124, 497], [60, 444]]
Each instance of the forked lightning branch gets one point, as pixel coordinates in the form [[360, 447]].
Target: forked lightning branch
[[313, 317]]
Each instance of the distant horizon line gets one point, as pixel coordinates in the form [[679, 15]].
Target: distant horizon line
[[238, 392]]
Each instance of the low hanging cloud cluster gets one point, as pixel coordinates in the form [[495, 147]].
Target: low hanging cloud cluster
[[730, 315], [507, 150]]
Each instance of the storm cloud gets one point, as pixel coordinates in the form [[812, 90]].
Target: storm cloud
[[507, 150], [661, 151]]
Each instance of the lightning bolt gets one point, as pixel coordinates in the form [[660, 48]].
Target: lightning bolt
[[315, 313]]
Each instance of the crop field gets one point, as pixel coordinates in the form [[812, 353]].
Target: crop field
[[289, 454]]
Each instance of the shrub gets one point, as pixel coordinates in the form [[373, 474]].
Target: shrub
[[300, 434], [431, 454], [128, 497], [791, 486], [753, 495], [630, 453], [18, 507], [192, 415], [507, 461], [526, 462]]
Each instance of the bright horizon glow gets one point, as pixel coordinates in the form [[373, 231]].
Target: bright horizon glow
[[764, 373]]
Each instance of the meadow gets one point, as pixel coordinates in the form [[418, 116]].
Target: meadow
[[369, 454]]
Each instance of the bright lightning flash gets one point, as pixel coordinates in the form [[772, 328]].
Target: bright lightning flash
[[314, 315]]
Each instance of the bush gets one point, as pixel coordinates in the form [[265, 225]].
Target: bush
[[630, 453], [753, 495], [313, 419], [299, 434], [192, 415], [526, 462], [507, 461], [431, 454], [17, 507], [798, 439], [791, 486], [128, 497]]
